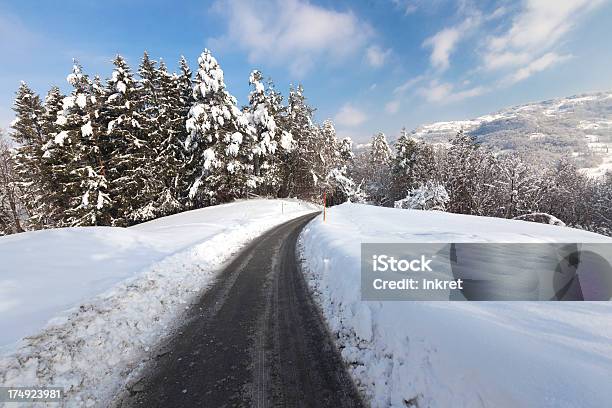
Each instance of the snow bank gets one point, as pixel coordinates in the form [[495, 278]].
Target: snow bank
[[92, 301], [460, 354]]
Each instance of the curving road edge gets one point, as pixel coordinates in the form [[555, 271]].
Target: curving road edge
[[255, 338]]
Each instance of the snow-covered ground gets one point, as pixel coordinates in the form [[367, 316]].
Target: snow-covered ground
[[459, 354], [93, 301]]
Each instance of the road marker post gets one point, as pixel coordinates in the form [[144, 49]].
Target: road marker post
[[324, 204]]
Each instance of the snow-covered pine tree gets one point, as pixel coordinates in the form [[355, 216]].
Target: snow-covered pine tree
[[170, 151], [130, 171], [77, 157], [413, 165], [272, 142], [183, 94], [329, 149], [149, 84], [302, 179], [11, 209], [378, 179], [285, 155], [31, 129], [54, 203], [220, 140], [335, 158], [459, 166], [158, 123], [184, 87]]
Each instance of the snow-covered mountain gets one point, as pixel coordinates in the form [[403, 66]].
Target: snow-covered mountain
[[580, 126]]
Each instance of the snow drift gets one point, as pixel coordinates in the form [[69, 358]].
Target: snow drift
[[93, 301], [460, 354]]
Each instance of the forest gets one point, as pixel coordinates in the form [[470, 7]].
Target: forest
[[143, 145]]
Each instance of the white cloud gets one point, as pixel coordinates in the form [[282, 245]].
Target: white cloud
[[392, 106], [497, 13], [539, 64], [290, 32], [408, 84], [505, 59], [445, 92], [436, 92], [350, 116], [376, 56], [535, 30], [443, 43], [406, 6]]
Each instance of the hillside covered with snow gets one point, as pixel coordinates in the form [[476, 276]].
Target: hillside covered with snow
[[460, 354], [578, 125], [81, 307]]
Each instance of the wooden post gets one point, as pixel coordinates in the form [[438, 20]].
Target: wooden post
[[324, 204]]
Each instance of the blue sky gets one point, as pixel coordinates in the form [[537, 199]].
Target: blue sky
[[371, 65]]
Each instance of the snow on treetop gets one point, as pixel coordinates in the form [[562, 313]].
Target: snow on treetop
[[210, 74], [255, 80], [76, 75]]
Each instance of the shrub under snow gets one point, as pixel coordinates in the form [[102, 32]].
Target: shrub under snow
[[428, 196]]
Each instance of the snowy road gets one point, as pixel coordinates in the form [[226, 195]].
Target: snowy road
[[255, 339]]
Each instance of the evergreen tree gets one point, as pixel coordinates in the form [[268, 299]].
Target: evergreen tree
[[76, 156], [272, 143], [11, 208], [220, 140], [460, 170], [130, 171], [341, 185], [170, 151], [161, 125], [184, 86], [55, 202], [150, 104], [301, 178], [412, 166], [378, 180], [183, 95], [29, 164]]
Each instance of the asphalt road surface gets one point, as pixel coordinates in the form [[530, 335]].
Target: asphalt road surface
[[255, 339]]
